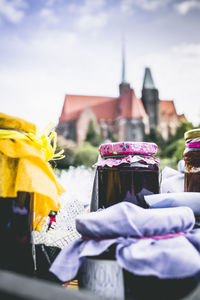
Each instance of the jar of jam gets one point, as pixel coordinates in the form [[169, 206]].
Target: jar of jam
[[16, 249], [126, 171], [192, 160]]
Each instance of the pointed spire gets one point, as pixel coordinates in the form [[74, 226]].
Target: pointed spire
[[148, 80], [124, 86], [123, 65], [123, 61]]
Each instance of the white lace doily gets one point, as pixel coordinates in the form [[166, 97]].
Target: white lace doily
[[63, 231]]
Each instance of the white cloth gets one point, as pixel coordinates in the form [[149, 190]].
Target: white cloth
[[172, 181]]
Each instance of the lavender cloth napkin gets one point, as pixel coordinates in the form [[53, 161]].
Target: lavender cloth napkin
[[164, 200], [124, 224]]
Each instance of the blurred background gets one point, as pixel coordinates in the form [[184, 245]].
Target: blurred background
[[103, 70]]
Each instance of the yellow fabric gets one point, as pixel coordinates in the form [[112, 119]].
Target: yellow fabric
[[23, 168], [41, 141], [11, 122]]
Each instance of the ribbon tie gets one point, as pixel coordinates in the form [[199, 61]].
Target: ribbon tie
[[46, 140]]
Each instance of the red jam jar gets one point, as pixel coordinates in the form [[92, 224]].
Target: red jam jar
[[191, 157], [126, 171]]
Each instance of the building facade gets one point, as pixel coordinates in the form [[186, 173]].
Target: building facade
[[126, 116]]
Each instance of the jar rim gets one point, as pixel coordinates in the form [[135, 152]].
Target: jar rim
[[193, 133]]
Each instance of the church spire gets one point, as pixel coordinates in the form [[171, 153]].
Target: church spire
[[148, 80], [123, 64], [124, 86], [150, 98]]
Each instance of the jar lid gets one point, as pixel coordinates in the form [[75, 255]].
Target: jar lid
[[128, 148], [193, 133]]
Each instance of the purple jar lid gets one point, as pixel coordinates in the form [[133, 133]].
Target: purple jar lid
[[128, 148]]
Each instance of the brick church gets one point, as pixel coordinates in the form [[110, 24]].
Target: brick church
[[125, 116]]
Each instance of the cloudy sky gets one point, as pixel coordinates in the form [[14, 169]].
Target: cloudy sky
[[49, 48]]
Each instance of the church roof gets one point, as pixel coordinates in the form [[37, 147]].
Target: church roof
[[130, 106], [103, 107], [167, 107], [106, 111], [106, 108], [138, 110], [148, 82]]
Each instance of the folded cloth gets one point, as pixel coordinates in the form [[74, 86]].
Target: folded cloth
[[181, 166], [172, 181], [129, 220], [191, 200], [23, 168], [149, 242]]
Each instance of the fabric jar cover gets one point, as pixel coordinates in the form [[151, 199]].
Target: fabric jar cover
[[175, 199], [23, 168], [133, 230], [192, 138], [191, 157], [114, 154], [126, 148]]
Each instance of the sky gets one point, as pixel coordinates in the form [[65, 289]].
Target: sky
[[50, 48]]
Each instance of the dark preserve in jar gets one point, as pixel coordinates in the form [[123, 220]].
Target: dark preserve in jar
[[16, 249], [126, 172], [192, 161]]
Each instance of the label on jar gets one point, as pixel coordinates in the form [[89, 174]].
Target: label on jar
[[103, 277], [191, 169]]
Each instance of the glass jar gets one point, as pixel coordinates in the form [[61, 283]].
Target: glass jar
[[126, 171], [16, 249], [191, 157]]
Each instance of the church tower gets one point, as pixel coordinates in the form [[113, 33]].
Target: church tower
[[124, 86], [130, 111], [150, 98]]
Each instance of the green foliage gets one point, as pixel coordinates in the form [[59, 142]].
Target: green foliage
[[181, 129], [65, 162], [167, 162], [176, 143], [85, 155], [155, 136], [170, 151], [112, 136], [175, 150], [92, 136], [68, 146]]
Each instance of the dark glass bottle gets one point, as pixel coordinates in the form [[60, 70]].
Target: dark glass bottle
[[16, 248], [126, 171], [192, 161], [125, 182]]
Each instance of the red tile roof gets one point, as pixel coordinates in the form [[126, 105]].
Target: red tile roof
[[138, 110], [130, 106], [167, 107], [103, 107], [107, 108], [124, 105]]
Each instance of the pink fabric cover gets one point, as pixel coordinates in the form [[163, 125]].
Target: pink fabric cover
[[129, 159], [128, 148], [193, 145], [115, 154]]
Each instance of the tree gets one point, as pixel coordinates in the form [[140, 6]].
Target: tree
[[69, 147], [180, 130], [86, 155], [93, 136], [155, 136], [176, 144]]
